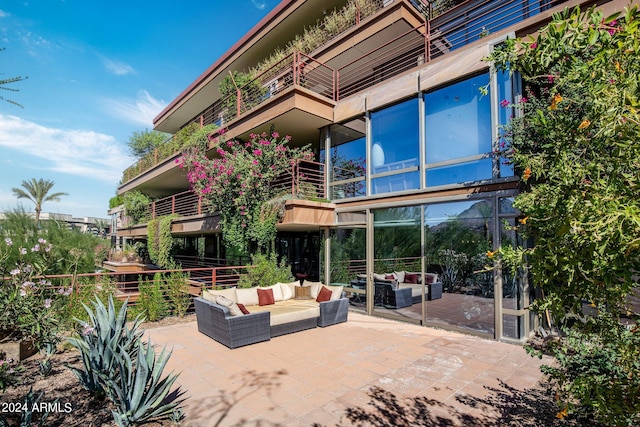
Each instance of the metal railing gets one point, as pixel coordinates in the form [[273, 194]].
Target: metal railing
[[304, 180], [125, 285]]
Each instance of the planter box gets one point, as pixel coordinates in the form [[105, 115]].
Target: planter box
[[17, 350]]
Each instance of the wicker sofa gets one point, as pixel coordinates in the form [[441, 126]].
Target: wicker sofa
[[219, 313], [401, 289]]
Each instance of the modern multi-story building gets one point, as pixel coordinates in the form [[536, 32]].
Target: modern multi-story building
[[387, 92]]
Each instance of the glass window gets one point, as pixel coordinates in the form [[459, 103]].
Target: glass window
[[505, 114], [347, 162], [457, 237], [458, 122], [458, 173], [395, 138]]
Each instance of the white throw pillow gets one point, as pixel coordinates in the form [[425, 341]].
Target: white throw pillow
[[377, 276], [247, 296], [336, 291], [287, 289], [277, 291], [315, 288], [234, 310], [211, 294], [399, 275]]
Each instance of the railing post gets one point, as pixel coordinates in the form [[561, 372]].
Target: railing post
[[238, 96], [293, 179], [199, 205], [173, 204], [213, 277], [153, 210], [427, 40]]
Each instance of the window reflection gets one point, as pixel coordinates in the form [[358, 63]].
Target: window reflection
[[347, 162], [395, 146], [458, 123]]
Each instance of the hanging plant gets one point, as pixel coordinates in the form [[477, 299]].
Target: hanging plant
[[160, 241]]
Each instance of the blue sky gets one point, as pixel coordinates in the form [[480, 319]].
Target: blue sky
[[98, 71]]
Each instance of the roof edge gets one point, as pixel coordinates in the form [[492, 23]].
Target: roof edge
[[284, 4]]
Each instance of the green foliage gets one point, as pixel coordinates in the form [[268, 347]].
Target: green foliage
[[116, 201], [151, 302], [334, 23], [160, 241], [597, 372], [191, 136], [576, 149], [102, 343], [29, 305], [575, 146], [252, 93], [266, 271], [86, 289], [176, 289], [140, 394], [153, 226], [136, 205], [9, 370], [145, 142], [239, 182]]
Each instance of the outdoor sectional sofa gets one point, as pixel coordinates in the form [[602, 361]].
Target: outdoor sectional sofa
[[401, 289], [241, 316]]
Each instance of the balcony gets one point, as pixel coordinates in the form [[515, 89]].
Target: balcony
[[399, 48], [304, 182]]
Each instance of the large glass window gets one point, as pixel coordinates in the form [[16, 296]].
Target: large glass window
[[347, 161], [395, 147], [458, 133]]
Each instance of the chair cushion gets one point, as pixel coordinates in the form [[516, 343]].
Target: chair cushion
[[247, 296], [234, 310], [211, 294]]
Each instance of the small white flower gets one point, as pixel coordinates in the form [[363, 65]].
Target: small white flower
[[23, 251], [8, 241], [47, 303], [42, 241], [36, 248], [15, 272]]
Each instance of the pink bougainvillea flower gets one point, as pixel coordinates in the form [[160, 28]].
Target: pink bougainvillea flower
[[257, 152], [524, 100], [504, 103], [533, 45]]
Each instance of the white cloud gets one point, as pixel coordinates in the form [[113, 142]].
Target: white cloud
[[117, 68], [4, 14], [139, 111], [71, 151], [259, 4]]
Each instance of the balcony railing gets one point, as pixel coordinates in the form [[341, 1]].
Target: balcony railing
[[305, 180], [452, 26]]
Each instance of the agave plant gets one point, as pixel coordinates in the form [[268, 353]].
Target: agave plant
[[103, 344], [140, 394]]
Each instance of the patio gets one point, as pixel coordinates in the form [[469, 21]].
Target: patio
[[413, 375]]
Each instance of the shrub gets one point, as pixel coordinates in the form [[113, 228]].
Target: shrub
[[151, 302], [266, 271], [176, 289]]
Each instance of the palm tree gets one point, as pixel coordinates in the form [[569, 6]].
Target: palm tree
[[37, 191], [101, 225], [5, 82]]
